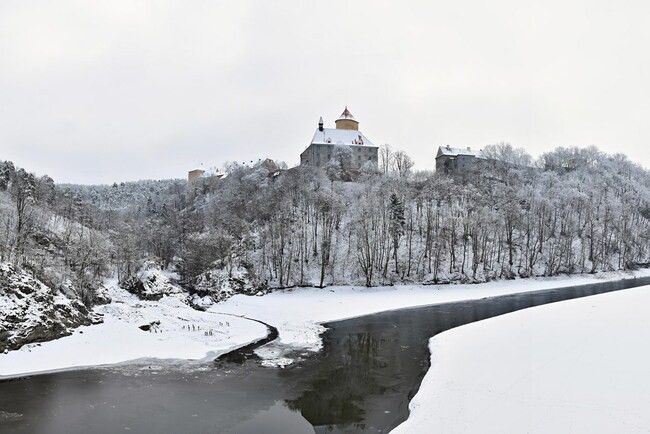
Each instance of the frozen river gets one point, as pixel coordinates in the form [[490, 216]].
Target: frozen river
[[361, 381]]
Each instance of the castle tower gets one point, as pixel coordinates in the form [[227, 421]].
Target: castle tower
[[323, 145], [192, 175], [346, 121]]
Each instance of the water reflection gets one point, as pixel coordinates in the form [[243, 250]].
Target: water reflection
[[361, 382], [336, 395], [277, 419], [373, 365]]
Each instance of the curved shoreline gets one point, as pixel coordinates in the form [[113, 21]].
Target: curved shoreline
[[246, 352], [208, 357], [433, 340], [299, 324], [568, 378], [141, 361], [394, 330]]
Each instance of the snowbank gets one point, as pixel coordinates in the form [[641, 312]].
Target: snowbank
[[297, 314], [176, 331], [576, 366]]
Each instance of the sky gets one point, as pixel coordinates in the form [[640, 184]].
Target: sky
[[121, 90]]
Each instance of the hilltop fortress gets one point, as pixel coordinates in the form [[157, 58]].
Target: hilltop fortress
[[322, 146], [329, 143]]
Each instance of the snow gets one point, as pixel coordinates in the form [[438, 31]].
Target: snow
[[334, 136], [296, 313], [155, 282], [28, 302], [447, 150], [576, 366], [120, 339]]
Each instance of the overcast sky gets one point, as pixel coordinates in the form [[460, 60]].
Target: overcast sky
[[96, 92]]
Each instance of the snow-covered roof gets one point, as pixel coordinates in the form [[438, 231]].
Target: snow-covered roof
[[454, 152], [333, 136], [211, 174], [207, 173], [347, 115]]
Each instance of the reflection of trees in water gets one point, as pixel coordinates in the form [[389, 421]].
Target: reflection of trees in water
[[361, 349], [335, 396], [366, 373]]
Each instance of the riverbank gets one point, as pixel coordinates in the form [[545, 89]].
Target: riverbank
[[172, 331], [576, 366], [297, 314]]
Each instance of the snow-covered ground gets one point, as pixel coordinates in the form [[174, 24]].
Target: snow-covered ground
[[579, 366], [299, 313], [296, 313], [180, 334]]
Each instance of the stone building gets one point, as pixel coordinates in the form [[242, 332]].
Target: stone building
[[457, 160], [323, 145], [194, 174], [204, 179]]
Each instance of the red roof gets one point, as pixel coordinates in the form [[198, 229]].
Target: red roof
[[346, 114]]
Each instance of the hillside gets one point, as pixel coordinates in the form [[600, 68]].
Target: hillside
[[30, 311], [574, 211], [147, 196]]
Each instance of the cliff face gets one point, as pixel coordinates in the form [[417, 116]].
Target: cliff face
[[30, 311], [151, 283]]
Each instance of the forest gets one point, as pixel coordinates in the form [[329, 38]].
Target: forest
[[573, 210]]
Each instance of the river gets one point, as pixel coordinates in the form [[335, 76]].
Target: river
[[362, 381]]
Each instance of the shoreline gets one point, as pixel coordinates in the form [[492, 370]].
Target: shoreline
[[142, 361], [524, 371], [308, 309], [298, 315]]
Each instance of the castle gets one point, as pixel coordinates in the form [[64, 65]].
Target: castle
[[456, 160], [359, 153], [322, 146]]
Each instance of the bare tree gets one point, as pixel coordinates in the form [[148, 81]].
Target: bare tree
[[385, 158], [402, 163]]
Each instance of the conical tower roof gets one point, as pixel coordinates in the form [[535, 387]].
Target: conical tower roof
[[346, 114], [346, 121]]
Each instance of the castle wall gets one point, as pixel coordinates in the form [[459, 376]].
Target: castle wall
[[320, 154]]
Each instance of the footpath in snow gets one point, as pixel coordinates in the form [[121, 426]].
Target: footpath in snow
[[298, 315], [579, 366]]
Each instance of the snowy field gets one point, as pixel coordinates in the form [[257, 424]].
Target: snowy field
[[579, 366], [296, 313]]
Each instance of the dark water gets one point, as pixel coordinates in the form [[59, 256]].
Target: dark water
[[362, 381]]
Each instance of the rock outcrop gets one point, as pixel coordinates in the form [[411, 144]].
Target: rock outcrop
[[30, 311], [150, 283]]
